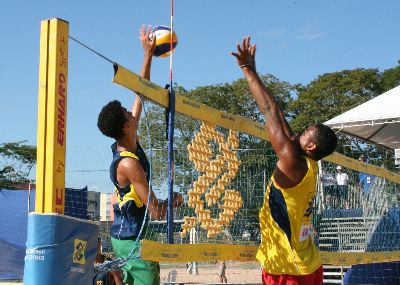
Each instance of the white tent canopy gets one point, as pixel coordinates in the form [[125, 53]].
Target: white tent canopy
[[377, 120]]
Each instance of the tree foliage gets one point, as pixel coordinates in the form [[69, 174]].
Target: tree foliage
[[322, 99], [17, 160], [390, 78], [334, 93], [234, 98]]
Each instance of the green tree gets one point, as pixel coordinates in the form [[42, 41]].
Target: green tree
[[334, 93], [17, 160], [234, 98], [390, 78]]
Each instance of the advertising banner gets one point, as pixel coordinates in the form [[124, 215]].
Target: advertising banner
[[59, 250]]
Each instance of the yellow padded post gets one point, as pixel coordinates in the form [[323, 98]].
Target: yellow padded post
[[52, 117]]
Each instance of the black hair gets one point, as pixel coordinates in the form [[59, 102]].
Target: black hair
[[326, 141], [111, 120]]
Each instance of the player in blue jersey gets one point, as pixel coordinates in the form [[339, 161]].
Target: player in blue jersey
[[129, 172]]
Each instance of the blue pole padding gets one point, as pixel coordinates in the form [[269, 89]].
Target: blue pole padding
[[170, 169], [59, 250]]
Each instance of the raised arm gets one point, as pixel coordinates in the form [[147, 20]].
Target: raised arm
[[281, 136], [129, 171], [149, 46], [276, 123], [265, 100]]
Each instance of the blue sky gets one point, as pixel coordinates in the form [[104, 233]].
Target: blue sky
[[297, 41]]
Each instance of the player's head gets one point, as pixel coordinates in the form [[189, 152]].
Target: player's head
[[318, 141], [115, 121]]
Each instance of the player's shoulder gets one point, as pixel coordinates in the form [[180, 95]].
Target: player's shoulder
[[128, 163]]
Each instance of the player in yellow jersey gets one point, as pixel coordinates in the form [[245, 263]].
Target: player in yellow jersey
[[287, 252]]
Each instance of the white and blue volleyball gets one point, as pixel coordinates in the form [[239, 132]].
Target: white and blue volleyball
[[163, 40]]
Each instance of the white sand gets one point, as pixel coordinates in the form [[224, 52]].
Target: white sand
[[236, 272]]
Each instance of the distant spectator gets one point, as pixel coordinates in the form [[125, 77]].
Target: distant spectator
[[365, 179], [189, 267], [342, 188], [172, 275], [221, 272], [329, 185]]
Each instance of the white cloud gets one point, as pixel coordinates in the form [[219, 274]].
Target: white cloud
[[310, 32], [275, 33], [310, 36]]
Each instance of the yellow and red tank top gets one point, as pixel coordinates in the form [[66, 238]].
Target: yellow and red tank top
[[287, 245]]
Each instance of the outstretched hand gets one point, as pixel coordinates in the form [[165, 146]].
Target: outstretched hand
[[245, 55], [148, 44]]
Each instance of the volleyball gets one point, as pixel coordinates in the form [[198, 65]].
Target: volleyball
[[163, 39]]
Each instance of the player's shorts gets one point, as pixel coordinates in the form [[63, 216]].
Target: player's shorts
[[315, 278], [136, 271]]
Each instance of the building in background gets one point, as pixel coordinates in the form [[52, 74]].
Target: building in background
[[106, 212], [106, 219], [93, 205], [76, 203]]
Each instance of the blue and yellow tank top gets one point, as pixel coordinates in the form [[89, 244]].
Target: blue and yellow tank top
[[129, 211], [287, 245]]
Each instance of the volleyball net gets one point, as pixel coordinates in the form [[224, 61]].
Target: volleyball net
[[222, 177], [224, 183]]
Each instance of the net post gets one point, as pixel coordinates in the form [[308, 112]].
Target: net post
[[52, 117]]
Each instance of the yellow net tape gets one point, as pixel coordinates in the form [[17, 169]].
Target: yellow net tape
[[205, 252], [186, 105], [356, 165], [196, 252]]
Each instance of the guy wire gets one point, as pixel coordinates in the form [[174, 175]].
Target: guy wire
[[92, 50]]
